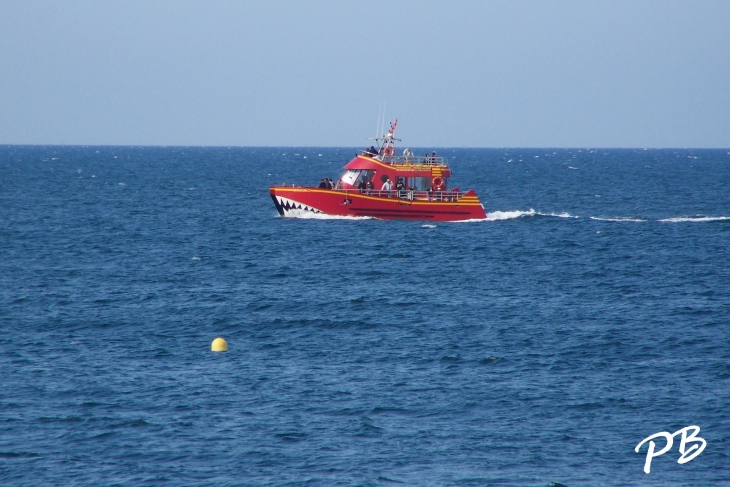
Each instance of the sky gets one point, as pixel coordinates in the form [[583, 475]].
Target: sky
[[323, 73]]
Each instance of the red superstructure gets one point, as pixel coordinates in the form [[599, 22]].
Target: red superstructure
[[378, 183]]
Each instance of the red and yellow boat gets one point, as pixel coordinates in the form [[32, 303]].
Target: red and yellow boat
[[378, 183]]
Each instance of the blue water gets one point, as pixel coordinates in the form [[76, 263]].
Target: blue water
[[590, 311]]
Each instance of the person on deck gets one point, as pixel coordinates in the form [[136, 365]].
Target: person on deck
[[439, 190], [400, 188], [387, 186]]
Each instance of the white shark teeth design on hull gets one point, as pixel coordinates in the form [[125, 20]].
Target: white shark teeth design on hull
[[288, 204]]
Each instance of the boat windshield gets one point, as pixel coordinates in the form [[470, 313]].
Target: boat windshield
[[351, 176]]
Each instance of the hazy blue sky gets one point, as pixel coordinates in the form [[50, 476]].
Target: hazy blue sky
[[457, 73]]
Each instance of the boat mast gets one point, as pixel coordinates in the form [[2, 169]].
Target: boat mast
[[386, 143]]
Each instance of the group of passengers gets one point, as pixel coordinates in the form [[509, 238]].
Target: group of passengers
[[365, 186], [432, 159], [326, 184], [436, 191], [400, 188], [407, 154], [384, 151]]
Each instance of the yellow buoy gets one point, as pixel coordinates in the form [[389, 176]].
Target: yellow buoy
[[219, 345]]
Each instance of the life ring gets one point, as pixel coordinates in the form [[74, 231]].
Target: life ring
[[389, 151], [437, 182]]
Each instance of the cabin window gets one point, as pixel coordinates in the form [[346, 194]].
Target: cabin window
[[422, 184], [350, 176]]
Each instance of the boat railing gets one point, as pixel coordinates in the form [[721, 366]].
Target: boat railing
[[407, 160], [409, 195]]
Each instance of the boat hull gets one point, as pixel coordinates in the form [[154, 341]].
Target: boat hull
[[300, 201]]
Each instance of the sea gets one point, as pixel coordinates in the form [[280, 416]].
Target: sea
[[541, 346]]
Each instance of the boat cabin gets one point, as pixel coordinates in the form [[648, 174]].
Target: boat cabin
[[416, 173]]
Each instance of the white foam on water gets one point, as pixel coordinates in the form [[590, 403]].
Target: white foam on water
[[310, 215], [509, 215], [618, 219], [470, 220], [695, 219], [428, 226], [564, 214]]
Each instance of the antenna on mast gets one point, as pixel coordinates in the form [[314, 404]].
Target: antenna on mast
[[377, 120]]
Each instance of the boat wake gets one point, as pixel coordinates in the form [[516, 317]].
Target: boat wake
[[565, 214], [511, 215], [695, 219], [618, 219], [310, 215]]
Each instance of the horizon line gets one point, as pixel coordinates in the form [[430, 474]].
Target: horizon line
[[356, 147]]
